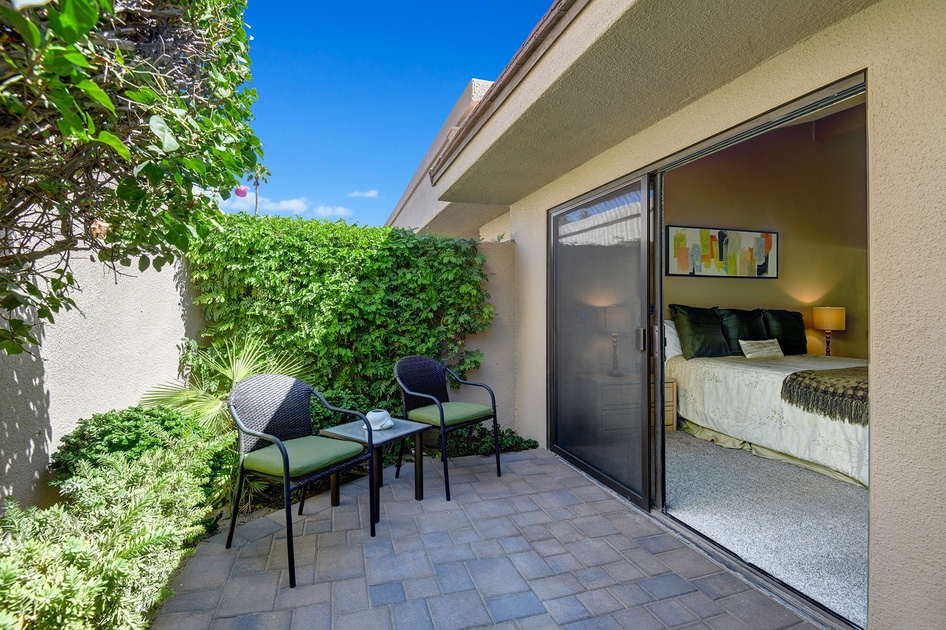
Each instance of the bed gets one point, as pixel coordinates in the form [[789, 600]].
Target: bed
[[738, 402], [742, 398]]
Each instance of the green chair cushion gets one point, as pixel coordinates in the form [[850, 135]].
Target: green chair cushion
[[453, 413], [306, 454]]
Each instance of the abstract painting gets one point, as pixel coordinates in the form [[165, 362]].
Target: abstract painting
[[721, 253]]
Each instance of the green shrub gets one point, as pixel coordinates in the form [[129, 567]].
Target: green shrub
[[103, 557], [478, 440], [349, 300], [132, 432]]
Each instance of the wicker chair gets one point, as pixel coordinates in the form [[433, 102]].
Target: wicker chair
[[423, 384], [274, 419]]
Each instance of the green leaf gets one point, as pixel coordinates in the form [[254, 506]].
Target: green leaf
[[143, 263], [74, 19], [75, 57], [113, 141], [161, 129], [25, 27], [144, 96], [129, 190], [97, 94]]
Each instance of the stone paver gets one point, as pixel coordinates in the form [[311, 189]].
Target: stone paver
[[543, 546]]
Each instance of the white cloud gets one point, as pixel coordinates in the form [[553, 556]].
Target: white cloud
[[328, 211], [298, 205], [366, 194]]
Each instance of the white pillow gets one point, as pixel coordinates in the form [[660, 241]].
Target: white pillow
[[761, 349], [672, 347]]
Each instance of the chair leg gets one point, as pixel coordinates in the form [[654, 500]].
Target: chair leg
[[374, 491], [333, 482], [443, 456], [289, 549], [400, 458], [303, 490], [236, 505], [499, 472]]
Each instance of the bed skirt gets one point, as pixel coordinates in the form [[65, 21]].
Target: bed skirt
[[730, 442]]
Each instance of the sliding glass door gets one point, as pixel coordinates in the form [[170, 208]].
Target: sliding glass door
[[599, 367]]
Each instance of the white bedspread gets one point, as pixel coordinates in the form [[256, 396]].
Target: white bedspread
[[742, 398]]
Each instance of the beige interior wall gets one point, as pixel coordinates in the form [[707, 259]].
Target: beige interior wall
[[123, 339], [901, 45], [808, 183]]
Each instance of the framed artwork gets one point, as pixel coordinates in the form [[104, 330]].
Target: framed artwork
[[720, 253]]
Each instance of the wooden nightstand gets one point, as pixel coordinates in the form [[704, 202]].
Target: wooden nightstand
[[670, 405]]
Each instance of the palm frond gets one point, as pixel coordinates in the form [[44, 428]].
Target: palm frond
[[233, 360]]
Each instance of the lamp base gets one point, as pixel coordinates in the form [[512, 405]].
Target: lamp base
[[614, 356], [827, 343]]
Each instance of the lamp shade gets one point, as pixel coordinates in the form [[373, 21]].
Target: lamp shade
[[617, 319], [828, 317]]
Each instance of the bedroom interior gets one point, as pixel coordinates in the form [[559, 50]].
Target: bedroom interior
[[807, 182]]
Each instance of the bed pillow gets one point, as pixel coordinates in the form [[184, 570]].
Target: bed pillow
[[699, 331], [761, 349], [789, 328], [672, 347], [738, 325]]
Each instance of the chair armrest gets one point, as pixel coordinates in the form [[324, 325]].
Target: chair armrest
[[459, 380], [263, 436], [349, 412], [410, 391], [405, 389]]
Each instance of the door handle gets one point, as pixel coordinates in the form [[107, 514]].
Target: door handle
[[642, 339]]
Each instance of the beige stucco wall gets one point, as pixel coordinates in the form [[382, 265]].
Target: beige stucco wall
[[496, 230], [497, 343], [124, 340], [902, 47]]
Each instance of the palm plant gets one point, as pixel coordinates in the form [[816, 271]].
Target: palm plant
[[212, 374]]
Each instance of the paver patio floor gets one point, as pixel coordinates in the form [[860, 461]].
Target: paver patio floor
[[543, 546]]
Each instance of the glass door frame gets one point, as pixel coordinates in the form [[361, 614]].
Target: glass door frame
[[642, 499]]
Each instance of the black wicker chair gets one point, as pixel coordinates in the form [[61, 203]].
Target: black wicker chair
[[274, 418], [423, 384]]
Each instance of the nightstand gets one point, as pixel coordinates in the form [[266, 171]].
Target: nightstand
[[612, 401], [670, 405]]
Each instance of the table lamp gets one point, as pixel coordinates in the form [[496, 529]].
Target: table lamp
[[828, 318], [617, 320]]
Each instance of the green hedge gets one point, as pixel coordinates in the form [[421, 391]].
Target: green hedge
[[103, 557], [350, 300]]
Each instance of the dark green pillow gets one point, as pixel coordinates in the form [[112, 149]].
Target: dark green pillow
[[700, 332], [789, 328], [737, 324]]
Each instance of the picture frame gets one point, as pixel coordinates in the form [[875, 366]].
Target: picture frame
[[706, 252]]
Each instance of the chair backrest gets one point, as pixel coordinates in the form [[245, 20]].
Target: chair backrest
[[424, 375], [273, 404]]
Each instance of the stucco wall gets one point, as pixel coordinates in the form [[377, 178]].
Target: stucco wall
[[497, 343], [901, 45], [125, 339]]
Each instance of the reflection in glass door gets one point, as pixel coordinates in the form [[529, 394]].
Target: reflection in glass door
[[597, 324]]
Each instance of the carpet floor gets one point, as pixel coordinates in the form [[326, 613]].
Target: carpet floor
[[806, 529]]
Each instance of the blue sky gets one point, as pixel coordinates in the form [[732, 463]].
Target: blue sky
[[351, 94]]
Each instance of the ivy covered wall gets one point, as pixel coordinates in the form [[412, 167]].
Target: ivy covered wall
[[350, 300]]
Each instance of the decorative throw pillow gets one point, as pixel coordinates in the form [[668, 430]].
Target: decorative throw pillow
[[739, 325], [760, 349], [789, 328], [672, 347], [700, 332]]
